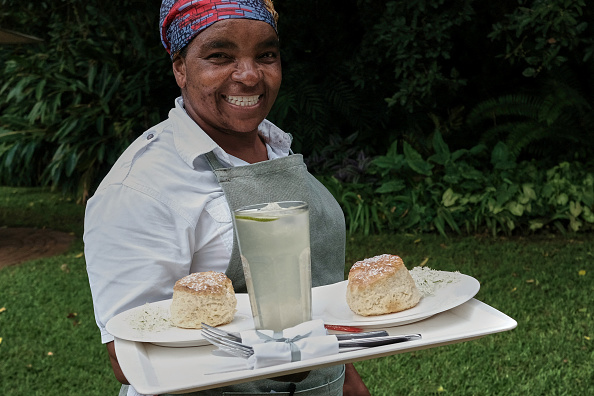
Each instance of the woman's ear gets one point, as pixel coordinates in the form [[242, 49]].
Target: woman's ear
[[179, 71]]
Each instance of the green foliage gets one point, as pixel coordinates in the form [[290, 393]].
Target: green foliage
[[363, 211], [71, 105], [542, 34], [568, 192], [560, 114], [380, 71], [317, 98], [467, 191], [342, 159], [314, 111], [435, 58], [412, 38]]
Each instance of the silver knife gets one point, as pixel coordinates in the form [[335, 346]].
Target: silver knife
[[377, 341]]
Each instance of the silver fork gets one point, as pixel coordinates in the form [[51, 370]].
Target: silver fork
[[226, 343], [344, 336]]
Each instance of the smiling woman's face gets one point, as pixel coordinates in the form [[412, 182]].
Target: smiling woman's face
[[230, 75]]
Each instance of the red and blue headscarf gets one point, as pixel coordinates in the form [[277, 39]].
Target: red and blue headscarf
[[182, 20]]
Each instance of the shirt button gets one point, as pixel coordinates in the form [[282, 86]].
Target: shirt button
[[150, 136]]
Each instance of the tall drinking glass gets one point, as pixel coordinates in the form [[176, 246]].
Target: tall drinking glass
[[275, 253]]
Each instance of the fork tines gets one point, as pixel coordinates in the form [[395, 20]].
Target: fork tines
[[227, 345]]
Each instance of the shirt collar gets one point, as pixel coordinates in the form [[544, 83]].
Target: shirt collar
[[191, 141]]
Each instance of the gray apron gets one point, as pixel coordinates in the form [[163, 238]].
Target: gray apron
[[287, 179]]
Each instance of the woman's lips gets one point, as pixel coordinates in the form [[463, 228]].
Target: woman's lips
[[243, 101]]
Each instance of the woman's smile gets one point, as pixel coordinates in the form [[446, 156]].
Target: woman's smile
[[242, 101]]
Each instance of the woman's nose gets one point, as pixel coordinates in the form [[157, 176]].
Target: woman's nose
[[247, 73]]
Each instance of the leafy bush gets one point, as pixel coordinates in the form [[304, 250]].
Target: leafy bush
[[376, 71], [462, 192], [542, 35], [412, 38], [317, 98], [435, 59], [71, 105], [342, 159], [536, 124]]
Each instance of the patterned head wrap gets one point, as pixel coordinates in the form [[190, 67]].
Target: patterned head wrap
[[181, 20]]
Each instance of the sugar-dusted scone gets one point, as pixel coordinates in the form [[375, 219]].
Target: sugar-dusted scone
[[203, 297], [381, 285]]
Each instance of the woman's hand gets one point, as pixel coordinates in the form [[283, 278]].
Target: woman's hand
[[353, 384]]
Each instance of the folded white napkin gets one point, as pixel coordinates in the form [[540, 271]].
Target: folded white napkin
[[307, 340], [273, 353]]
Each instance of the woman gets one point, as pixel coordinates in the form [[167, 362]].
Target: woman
[[164, 210]]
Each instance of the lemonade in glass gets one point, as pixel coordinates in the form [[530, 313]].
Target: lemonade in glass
[[275, 253]]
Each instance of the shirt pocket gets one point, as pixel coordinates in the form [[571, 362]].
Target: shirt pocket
[[219, 211]]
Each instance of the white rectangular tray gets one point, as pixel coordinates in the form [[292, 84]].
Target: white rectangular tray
[[153, 369]]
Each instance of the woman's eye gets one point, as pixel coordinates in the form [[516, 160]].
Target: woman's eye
[[217, 56], [269, 56]]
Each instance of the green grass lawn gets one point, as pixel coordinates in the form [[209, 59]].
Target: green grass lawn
[[50, 344]]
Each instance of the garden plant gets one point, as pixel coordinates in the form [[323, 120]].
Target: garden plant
[[373, 73]]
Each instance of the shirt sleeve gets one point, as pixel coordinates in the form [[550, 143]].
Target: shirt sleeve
[[136, 248]]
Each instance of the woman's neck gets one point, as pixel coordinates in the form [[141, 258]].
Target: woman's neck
[[246, 146]]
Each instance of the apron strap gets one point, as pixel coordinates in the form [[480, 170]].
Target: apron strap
[[213, 161]]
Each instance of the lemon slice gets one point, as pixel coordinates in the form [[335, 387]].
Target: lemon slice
[[264, 219]]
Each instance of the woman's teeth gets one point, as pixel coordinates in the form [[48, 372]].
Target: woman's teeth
[[243, 100]]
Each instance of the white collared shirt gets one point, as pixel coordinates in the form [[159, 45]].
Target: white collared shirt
[[160, 214]]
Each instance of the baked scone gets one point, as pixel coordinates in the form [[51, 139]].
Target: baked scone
[[380, 285], [203, 297]]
